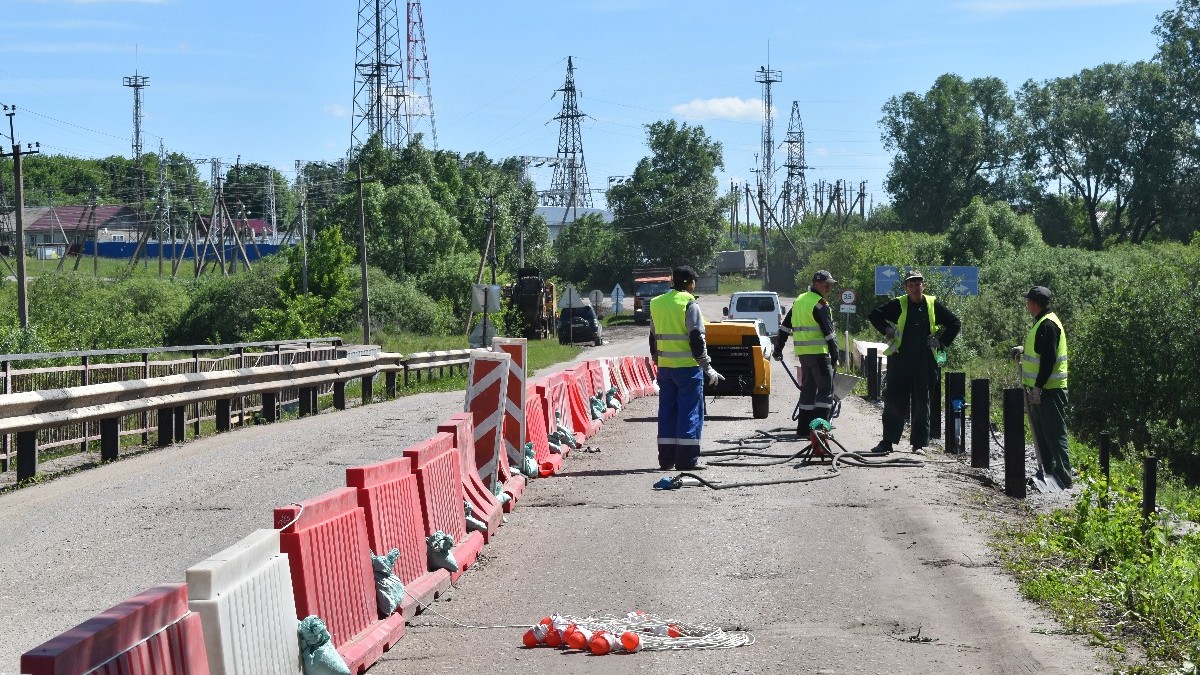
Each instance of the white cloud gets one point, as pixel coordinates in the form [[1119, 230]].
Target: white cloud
[[337, 110], [1004, 6], [728, 108]]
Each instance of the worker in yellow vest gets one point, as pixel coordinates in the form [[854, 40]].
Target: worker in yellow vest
[[679, 350], [811, 321], [917, 325], [1044, 378]]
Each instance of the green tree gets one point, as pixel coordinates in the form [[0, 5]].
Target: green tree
[[670, 209], [592, 253], [959, 140]]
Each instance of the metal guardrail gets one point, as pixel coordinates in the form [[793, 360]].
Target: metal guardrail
[[27, 414], [418, 362]]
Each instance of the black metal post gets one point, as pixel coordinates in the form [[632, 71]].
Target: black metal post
[[181, 423], [872, 368], [27, 450], [270, 406], [368, 384], [956, 401], [305, 401], [981, 423], [390, 382], [110, 439], [1014, 443], [224, 414], [166, 426], [339, 394]]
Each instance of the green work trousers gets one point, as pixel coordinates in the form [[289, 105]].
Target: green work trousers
[[1049, 420], [908, 386]]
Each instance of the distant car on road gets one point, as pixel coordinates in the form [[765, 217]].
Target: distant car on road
[[761, 305], [579, 324]]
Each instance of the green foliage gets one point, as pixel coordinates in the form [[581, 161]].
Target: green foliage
[[592, 253], [17, 340], [401, 306], [984, 231], [957, 141], [1104, 572], [1149, 347], [450, 279], [223, 309], [669, 209]]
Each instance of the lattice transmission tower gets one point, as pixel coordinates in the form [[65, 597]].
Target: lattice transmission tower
[[766, 176], [137, 83], [393, 94], [380, 97], [569, 186], [420, 103], [795, 189]]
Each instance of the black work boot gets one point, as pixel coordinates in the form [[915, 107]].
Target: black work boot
[[882, 448]]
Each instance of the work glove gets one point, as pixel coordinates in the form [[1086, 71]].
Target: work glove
[[933, 343], [835, 358], [712, 377], [777, 354], [890, 331], [1034, 394], [1016, 352]]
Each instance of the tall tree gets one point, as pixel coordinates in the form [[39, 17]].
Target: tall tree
[[669, 209], [957, 141]]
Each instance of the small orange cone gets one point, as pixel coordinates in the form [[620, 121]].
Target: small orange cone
[[579, 638], [602, 643], [536, 636], [554, 638], [631, 641]]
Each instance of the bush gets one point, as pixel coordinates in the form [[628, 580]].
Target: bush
[[403, 307], [225, 309]]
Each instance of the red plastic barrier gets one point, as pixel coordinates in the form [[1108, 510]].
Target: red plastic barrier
[[537, 430], [581, 415], [514, 414], [388, 494], [439, 482], [484, 505], [149, 634], [599, 386], [327, 549], [636, 389], [487, 383]]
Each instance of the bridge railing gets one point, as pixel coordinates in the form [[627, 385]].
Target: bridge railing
[[26, 373]]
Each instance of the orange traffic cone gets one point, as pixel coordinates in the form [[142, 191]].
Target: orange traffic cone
[[579, 638], [631, 641]]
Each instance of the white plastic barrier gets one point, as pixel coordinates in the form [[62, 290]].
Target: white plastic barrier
[[244, 598]]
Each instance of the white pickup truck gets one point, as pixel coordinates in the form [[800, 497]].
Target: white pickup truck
[[761, 305]]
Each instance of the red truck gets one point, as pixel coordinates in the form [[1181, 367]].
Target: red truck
[[648, 282]]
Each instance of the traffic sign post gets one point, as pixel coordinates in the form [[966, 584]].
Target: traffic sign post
[[848, 307]]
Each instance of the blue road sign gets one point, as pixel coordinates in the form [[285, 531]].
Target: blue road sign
[[966, 279]]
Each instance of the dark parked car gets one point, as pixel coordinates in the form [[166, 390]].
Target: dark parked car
[[579, 324]]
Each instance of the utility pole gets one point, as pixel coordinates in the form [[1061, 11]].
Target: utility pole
[[762, 228], [22, 298], [362, 245], [303, 229]]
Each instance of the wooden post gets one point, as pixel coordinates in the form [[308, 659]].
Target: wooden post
[[305, 401], [180, 418], [390, 381], [110, 439]]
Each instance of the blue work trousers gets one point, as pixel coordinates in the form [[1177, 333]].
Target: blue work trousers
[[680, 416]]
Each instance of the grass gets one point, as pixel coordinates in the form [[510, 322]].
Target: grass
[[736, 283], [109, 268], [1107, 574]]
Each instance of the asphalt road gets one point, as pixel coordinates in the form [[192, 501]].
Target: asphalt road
[[882, 570]]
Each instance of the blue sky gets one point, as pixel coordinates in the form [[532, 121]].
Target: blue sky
[[272, 81]]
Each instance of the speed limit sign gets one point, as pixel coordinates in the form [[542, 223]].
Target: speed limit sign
[[848, 297]]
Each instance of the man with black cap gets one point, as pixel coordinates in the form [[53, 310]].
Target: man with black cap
[[917, 325], [811, 319], [1044, 378], [678, 347]]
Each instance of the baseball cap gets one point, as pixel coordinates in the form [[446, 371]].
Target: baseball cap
[[913, 274], [824, 275], [1039, 294]]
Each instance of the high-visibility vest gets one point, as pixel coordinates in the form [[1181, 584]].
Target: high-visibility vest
[[895, 346], [669, 313], [805, 331], [1031, 361]]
